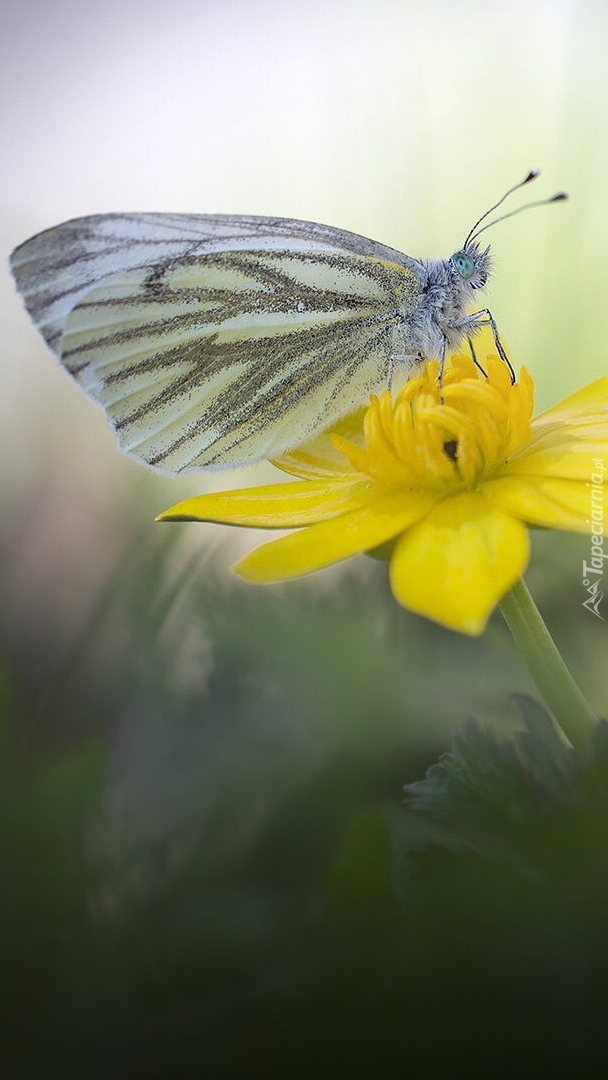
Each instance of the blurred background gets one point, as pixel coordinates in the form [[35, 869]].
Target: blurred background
[[186, 758]]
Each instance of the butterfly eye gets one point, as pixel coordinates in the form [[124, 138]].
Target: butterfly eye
[[463, 263]]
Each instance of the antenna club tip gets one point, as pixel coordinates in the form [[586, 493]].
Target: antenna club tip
[[476, 231]]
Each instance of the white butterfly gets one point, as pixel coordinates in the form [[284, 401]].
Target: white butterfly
[[216, 340]]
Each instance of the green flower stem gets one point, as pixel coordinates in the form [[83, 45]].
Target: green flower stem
[[570, 709]]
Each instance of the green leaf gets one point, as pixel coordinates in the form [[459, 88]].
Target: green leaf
[[487, 791]]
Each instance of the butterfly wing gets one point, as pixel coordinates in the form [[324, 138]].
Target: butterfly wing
[[55, 268], [217, 340], [236, 356]]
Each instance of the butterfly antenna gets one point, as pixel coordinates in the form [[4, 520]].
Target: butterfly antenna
[[531, 176], [561, 195]]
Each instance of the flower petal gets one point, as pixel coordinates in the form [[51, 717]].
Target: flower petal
[[319, 457], [457, 563], [590, 400], [550, 502], [382, 517], [274, 506], [562, 458]]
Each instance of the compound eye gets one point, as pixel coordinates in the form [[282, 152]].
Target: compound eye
[[464, 264]]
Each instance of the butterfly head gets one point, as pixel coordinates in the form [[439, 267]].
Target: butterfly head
[[472, 265]]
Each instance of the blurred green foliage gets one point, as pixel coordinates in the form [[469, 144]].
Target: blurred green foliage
[[207, 867]]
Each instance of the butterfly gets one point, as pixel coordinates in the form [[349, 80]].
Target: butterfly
[[218, 340]]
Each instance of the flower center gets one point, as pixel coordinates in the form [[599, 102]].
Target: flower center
[[446, 437]]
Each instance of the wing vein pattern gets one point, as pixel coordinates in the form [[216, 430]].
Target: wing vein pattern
[[217, 340]]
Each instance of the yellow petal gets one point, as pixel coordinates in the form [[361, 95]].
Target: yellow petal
[[579, 428], [274, 506], [591, 399], [456, 564], [320, 457], [550, 502], [565, 459], [382, 517], [307, 466]]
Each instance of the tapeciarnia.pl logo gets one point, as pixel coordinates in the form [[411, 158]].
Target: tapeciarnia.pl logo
[[593, 571]]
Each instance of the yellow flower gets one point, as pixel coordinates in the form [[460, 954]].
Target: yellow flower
[[446, 477]]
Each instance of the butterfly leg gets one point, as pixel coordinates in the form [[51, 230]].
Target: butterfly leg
[[474, 357], [442, 355], [485, 318]]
